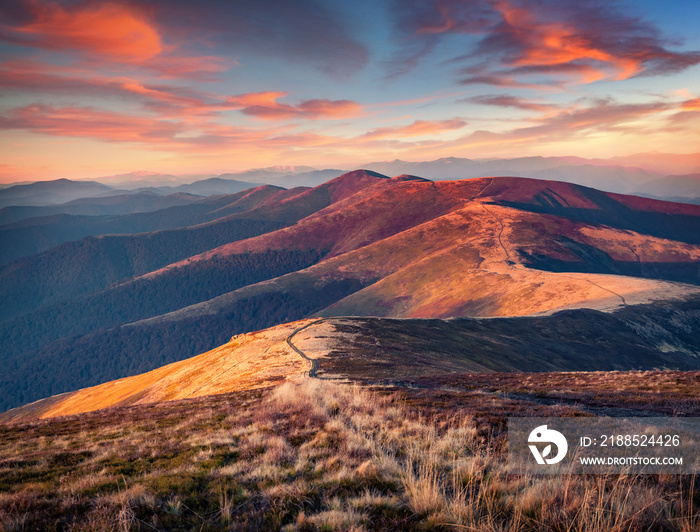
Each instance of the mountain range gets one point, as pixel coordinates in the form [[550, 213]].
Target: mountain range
[[362, 244], [66, 193], [38, 216]]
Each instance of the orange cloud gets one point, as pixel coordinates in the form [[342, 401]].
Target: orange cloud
[[90, 123], [419, 128], [576, 123], [512, 101], [688, 115], [556, 44], [205, 136], [254, 99], [265, 105], [560, 42], [167, 100], [107, 29], [691, 105]]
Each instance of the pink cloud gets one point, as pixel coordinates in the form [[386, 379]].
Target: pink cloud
[[45, 78], [512, 101], [419, 128], [264, 105], [89, 123], [691, 105], [601, 116], [107, 29], [200, 68], [519, 43], [687, 115]]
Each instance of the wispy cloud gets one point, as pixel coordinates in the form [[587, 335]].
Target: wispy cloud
[[90, 123], [512, 43], [687, 116], [45, 79], [691, 105], [505, 100], [116, 31], [168, 100], [265, 105], [419, 128], [577, 122]]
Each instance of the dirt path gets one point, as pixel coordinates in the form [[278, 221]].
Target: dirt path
[[314, 364], [500, 233], [624, 303]]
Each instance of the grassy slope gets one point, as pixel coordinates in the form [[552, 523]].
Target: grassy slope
[[320, 456], [375, 350], [252, 360]]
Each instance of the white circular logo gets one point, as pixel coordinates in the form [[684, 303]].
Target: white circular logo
[[544, 435]]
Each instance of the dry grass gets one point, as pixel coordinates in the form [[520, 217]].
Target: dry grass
[[314, 455]]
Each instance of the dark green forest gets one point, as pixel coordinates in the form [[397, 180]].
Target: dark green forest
[[76, 362], [94, 263], [37, 234], [142, 298]]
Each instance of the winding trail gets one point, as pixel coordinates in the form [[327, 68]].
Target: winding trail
[[487, 185], [314, 364], [500, 233], [624, 303], [639, 260], [505, 250]]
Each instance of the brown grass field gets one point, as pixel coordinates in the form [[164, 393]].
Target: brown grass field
[[321, 455]]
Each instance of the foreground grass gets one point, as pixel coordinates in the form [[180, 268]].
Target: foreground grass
[[315, 455]]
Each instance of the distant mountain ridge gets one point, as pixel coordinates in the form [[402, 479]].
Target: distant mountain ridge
[[119, 204], [38, 234], [645, 174], [649, 174], [51, 192], [595, 174], [63, 191]]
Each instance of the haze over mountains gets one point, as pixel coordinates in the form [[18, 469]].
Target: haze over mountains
[[103, 307], [653, 174], [57, 209], [669, 176]]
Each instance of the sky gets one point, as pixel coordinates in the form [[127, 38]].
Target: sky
[[94, 88]]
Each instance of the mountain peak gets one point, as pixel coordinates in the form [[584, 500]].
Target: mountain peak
[[407, 177], [351, 182]]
